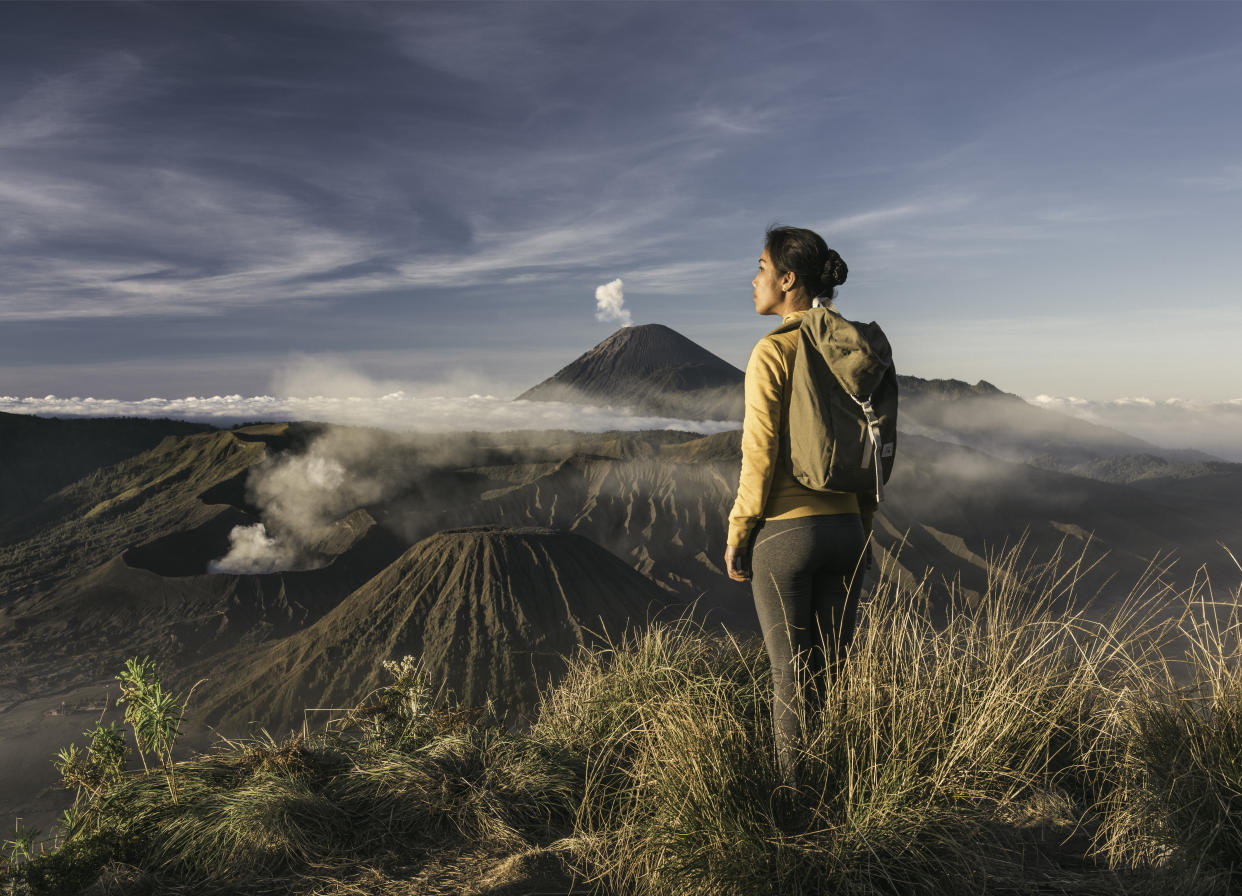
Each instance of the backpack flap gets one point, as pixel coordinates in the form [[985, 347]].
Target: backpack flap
[[843, 406]]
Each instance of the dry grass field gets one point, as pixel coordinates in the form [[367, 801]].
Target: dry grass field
[[1015, 748]]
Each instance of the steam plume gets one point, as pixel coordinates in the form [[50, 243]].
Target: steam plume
[[610, 302], [301, 496], [252, 550]]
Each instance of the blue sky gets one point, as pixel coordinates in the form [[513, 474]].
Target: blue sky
[[196, 197]]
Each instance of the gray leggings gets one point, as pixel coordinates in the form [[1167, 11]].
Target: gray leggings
[[806, 580]]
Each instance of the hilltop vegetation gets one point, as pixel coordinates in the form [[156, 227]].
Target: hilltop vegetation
[[1016, 749]]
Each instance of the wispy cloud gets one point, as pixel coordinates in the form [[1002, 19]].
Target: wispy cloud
[[1211, 426], [602, 237], [862, 220], [920, 209], [179, 242], [1227, 180], [64, 105], [374, 168], [688, 277]]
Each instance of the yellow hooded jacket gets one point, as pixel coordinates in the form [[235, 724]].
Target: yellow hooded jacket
[[766, 488]]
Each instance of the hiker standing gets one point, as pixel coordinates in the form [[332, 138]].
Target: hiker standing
[[804, 546]]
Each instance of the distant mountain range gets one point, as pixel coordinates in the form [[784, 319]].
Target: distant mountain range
[[108, 527], [657, 370]]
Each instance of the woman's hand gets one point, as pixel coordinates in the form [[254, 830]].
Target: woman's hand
[[737, 563]]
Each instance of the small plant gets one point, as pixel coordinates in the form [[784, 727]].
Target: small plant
[[155, 715], [20, 850], [398, 713], [107, 751], [74, 770], [412, 684], [89, 772]]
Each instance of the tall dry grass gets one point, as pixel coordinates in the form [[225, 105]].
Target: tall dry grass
[[940, 754], [1029, 741]]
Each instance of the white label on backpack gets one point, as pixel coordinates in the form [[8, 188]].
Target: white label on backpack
[[888, 449]]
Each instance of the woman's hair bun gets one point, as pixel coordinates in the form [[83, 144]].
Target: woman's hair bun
[[835, 270]]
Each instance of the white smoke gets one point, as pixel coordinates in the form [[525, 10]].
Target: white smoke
[[300, 498], [610, 303], [252, 550]]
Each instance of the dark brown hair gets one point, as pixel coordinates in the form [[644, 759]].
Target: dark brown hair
[[795, 249]]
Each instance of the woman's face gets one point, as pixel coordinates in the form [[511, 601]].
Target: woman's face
[[767, 286]]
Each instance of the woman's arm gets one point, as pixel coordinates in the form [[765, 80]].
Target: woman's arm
[[765, 379]]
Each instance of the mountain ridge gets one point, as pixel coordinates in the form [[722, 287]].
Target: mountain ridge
[[657, 370]]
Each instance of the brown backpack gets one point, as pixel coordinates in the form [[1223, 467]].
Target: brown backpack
[[842, 404]]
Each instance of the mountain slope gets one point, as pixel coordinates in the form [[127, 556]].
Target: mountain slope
[[984, 418], [652, 368], [947, 508], [491, 611], [39, 455], [120, 506], [158, 600]]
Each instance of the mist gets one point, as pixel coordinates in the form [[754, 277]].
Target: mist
[[403, 410], [301, 497], [1212, 427], [408, 480]]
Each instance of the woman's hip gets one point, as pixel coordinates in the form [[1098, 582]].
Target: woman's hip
[[830, 542]]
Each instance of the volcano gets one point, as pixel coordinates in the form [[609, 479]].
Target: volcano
[[650, 368], [493, 613]]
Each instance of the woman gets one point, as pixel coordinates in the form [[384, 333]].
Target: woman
[[804, 547]]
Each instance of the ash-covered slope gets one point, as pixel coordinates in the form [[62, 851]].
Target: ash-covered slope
[[948, 507], [40, 455], [652, 368], [158, 600], [120, 506], [492, 612]]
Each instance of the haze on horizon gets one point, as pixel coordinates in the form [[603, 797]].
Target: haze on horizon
[[194, 196]]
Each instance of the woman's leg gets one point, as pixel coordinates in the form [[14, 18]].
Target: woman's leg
[[837, 585], [783, 586], [800, 567]]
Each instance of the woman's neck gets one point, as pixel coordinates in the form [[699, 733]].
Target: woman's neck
[[793, 301]]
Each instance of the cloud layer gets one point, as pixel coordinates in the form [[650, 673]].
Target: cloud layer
[[1211, 426], [397, 411]]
